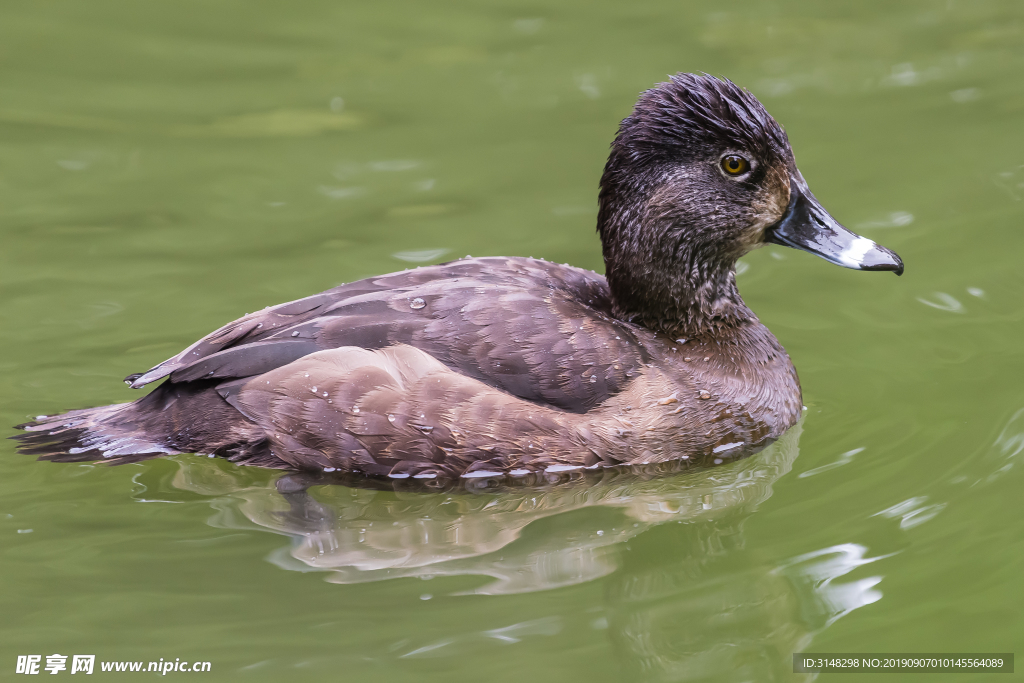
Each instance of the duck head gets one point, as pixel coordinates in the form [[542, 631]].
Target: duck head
[[700, 174]]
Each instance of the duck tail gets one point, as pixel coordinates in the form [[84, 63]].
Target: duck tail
[[173, 418], [107, 433]]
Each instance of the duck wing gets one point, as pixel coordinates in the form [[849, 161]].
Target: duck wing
[[537, 330]]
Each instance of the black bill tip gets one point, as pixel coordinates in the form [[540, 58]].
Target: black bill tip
[[864, 254]]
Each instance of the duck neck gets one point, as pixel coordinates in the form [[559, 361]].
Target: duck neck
[[698, 301], [667, 279]]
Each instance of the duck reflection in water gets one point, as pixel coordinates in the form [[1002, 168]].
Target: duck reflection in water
[[692, 603], [359, 533]]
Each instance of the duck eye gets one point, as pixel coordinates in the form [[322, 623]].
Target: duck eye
[[735, 165]]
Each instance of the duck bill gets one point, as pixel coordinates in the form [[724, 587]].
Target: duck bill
[[807, 226]]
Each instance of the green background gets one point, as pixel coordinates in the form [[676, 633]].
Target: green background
[[167, 167]]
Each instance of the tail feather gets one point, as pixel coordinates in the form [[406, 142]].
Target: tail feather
[[88, 434], [174, 418]]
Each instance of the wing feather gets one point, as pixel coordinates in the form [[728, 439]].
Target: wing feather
[[534, 329]]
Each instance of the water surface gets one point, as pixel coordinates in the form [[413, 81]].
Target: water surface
[[165, 168]]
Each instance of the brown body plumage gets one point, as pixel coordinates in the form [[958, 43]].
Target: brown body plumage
[[505, 366]]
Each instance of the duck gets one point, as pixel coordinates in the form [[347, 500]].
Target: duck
[[505, 367]]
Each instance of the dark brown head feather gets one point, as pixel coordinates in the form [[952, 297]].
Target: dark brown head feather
[[671, 225], [692, 113]]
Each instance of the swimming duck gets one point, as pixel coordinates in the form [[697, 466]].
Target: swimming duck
[[504, 367]]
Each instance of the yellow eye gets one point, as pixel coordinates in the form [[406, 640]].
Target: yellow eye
[[735, 165]]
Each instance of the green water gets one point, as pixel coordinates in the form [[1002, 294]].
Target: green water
[[167, 167]]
